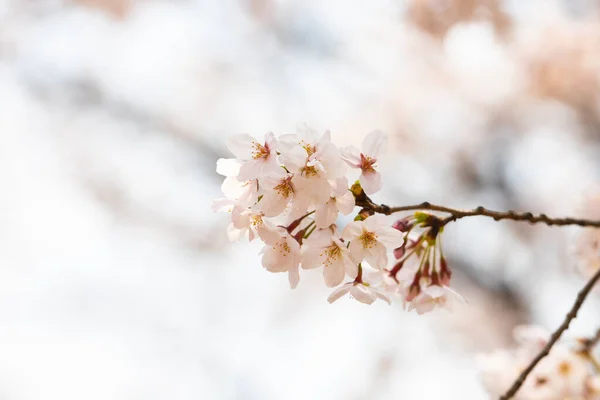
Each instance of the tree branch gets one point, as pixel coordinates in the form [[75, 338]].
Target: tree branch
[[362, 200], [581, 296]]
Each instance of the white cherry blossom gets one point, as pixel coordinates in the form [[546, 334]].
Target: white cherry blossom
[[257, 158], [282, 254], [341, 201], [360, 291], [252, 223], [435, 296], [366, 160], [370, 240], [325, 249], [305, 152], [283, 190]]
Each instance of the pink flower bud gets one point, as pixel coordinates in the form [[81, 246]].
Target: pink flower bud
[[399, 252], [403, 225]]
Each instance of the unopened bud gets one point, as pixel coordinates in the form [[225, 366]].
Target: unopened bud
[[399, 252], [356, 189], [403, 225]]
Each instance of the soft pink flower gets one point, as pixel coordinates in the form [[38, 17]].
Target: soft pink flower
[[280, 191], [305, 150], [282, 255], [252, 223], [258, 158], [366, 161], [435, 296], [341, 201], [370, 240], [360, 291], [315, 162], [324, 249]]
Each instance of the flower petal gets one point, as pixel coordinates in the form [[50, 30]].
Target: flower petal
[[311, 257], [352, 230], [252, 169], [293, 275], [333, 273], [345, 203], [271, 142], [294, 159], [374, 143], [351, 156], [272, 261], [350, 267], [376, 256], [357, 251], [228, 166], [241, 146], [326, 214], [337, 293], [390, 237], [370, 181], [272, 204], [362, 294]]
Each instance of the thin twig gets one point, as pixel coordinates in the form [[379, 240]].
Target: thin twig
[[555, 336], [455, 214]]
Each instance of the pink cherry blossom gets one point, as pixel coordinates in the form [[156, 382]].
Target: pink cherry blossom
[[341, 201], [280, 191], [252, 223], [371, 239], [435, 296], [316, 163], [360, 291], [366, 160], [325, 249], [282, 254], [305, 150], [257, 158]]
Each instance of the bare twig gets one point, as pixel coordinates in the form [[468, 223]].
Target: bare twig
[[554, 337], [364, 201]]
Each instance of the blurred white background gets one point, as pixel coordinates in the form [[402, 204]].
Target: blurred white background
[[117, 281]]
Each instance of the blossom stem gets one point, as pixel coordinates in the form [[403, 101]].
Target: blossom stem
[[309, 230], [581, 296], [290, 228], [456, 214]]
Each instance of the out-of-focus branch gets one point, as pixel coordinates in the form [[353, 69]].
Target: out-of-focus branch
[[581, 296]]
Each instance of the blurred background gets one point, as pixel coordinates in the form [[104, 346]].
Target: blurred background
[[116, 279]]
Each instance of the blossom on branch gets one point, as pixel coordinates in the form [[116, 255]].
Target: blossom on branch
[[289, 192]]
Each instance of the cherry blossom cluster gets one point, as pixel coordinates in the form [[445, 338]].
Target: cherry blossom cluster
[[289, 192], [570, 371]]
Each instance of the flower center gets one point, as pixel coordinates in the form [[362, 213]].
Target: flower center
[[564, 368], [332, 253], [309, 171], [367, 163], [260, 151], [284, 248], [368, 239], [256, 220], [285, 187], [310, 149]]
